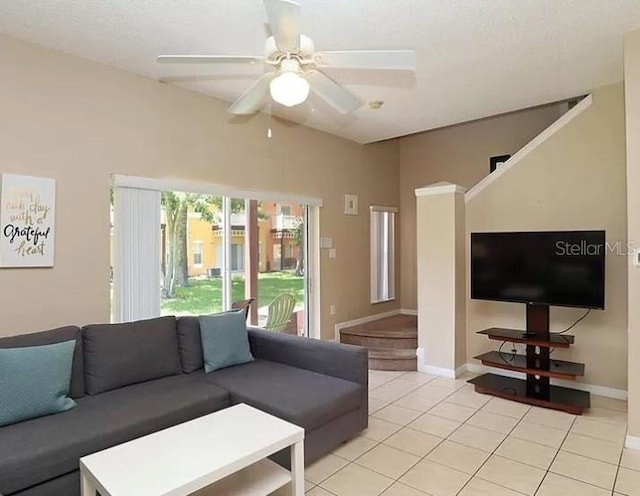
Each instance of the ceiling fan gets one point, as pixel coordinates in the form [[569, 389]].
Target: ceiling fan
[[298, 66]]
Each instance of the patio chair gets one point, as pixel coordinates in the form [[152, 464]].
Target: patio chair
[[243, 304], [279, 313]]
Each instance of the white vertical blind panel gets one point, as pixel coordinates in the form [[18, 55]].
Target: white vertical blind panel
[[226, 253], [137, 254]]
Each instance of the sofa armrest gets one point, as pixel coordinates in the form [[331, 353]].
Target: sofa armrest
[[343, 361]]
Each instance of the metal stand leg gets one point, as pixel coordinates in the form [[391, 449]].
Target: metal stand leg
[[297, 469]]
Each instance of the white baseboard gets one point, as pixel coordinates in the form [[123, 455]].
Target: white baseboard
[[406, 311], [632, 442], [618, 394], [461, 370], [439, 371]]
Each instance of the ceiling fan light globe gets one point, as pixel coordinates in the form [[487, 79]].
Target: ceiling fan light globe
[[289, 89]]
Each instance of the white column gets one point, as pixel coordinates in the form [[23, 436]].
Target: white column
[[440, 233], [136, 283]]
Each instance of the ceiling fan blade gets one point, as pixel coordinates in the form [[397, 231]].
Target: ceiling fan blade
[[209, 59], [252, 100], [332, 93], [369, 59], [284, 19]]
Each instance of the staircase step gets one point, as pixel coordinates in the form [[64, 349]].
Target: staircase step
[[391, 354], [402, 365], [380, 342], [391, 341], [398, 326]]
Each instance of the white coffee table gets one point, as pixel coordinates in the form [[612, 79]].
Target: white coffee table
[[228, 449]]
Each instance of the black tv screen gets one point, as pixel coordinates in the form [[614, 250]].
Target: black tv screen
[[561, 268]]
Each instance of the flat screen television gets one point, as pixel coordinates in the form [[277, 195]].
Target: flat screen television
[[560, 268]]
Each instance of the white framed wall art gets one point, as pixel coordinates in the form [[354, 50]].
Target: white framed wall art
[[27, 221]]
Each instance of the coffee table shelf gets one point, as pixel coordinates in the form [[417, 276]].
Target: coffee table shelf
[[263, 477]]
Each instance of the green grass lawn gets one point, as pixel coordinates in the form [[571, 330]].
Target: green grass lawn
[[205, 295]]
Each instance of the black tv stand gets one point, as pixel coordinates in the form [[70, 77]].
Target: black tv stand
[[536, 364]]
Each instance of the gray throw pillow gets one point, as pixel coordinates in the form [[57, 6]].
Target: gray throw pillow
[[35, 381], [225, 340]]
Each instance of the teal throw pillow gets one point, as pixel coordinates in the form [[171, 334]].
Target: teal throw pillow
[[225, 341], [34, 381]]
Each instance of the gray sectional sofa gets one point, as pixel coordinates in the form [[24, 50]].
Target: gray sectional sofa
[[133, 379]]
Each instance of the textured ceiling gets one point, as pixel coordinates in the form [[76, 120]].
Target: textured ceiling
[[476, 58]]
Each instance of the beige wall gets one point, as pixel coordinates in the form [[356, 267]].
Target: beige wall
[[574, 180], [460, 155], [632, 107], [80, 122]]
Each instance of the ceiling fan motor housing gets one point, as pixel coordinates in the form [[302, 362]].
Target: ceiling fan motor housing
[[304, 53]]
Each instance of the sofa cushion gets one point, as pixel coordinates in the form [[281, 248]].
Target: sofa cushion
[[53, 336], [190, 344], [117, 355], [35, 381], [300, 396], [38, 450], [225, 341]]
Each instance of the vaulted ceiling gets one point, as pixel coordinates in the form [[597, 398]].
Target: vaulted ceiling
[[475, 58]]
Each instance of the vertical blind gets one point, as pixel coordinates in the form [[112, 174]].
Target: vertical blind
[[136, 271], [382, 254]]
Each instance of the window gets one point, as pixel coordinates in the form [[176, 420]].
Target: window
[[237, 257], [197, 253], [283, 209], [382, 254]]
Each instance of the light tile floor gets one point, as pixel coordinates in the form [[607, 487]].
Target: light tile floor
[[437, 437]]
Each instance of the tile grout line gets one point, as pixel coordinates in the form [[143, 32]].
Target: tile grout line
[[397, 480], [548, 470], [406, 426], [615, 479], [378, 443], [494, 453], [452, 432], [460, 444], [584, 456]]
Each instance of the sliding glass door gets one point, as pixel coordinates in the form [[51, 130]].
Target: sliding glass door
[[217, 252]]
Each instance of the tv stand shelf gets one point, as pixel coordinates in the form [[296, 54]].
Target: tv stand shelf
[[557, 368], [558, 398], [537, 364], [554, 339]]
